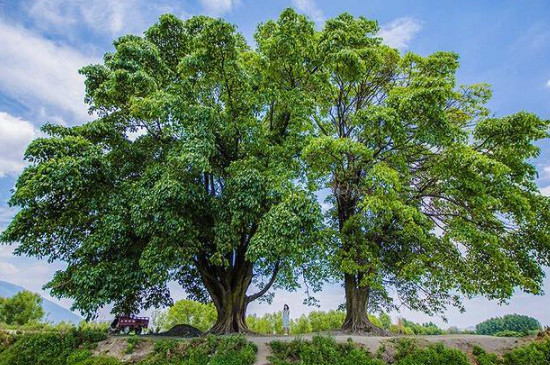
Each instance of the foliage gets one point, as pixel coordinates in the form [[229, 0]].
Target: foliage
[[510, 322], [436, 354], [21, 309], [484, 358], [205, 156], [210, 350], [49, 348], [78, 356], [320, 351], [432, 198], [420, 329], [199, 315], [190, 173], [132, 343], [535, 353], [510, 334]]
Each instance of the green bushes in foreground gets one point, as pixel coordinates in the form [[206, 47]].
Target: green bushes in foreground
[[320, 351], [210, 350], [48, 348], [325, 350], [74, 348]]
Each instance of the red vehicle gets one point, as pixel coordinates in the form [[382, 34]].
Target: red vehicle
[[127, 324]]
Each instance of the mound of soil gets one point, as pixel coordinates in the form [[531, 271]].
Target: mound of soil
[[182, 330]]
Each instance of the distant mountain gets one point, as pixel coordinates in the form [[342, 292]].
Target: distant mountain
[[54, 312]]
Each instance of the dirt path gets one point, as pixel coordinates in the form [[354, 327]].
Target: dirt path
[[462, 342]]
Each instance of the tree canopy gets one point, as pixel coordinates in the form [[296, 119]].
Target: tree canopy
[[191, 172], [433, 197], [204, 161], [21, 309], [511, 322]]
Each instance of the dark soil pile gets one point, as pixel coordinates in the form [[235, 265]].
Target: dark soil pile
[[182, 330]]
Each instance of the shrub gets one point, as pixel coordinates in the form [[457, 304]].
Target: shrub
[[510, 334], [132, 343], [210, 350], [320, 351], [536, 353], [435, 354], [78, 356], [510, 322], [48, 348], [484, 358]]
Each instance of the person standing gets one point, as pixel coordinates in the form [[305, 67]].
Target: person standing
[[286, 320]]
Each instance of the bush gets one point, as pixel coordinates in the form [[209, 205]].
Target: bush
[[484, 358], [48, 348], [78, 356], [536, 353], [435, 354], [510, 322], [320, 351], [510, 334], [132, 343], [210, 350]]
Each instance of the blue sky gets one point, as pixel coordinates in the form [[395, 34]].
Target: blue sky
[[44, 42]]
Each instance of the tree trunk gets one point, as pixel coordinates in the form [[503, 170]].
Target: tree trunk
[[227, 287], [231, 314], [357, 320]]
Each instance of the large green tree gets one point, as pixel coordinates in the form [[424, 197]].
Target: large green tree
[[433, 197], [191, 172]]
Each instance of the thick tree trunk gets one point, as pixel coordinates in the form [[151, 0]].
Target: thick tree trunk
[[227, 287], [231, 313], [357, 320]]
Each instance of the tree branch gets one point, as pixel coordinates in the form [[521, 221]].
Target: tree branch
[[253, 297]]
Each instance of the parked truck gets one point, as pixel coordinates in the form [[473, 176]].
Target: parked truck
[[128, 324]]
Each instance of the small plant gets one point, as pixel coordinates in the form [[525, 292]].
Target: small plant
[[132, 344]]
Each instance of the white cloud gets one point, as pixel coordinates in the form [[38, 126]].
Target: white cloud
[[15, 135], [103, 16], [548, 83], [310, 8], [7, 251], [219, 7], [545, 190], [7, 269], [41, 73], [399, 32]]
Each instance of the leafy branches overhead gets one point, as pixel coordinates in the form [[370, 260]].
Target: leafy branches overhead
[[430, 192], [206, 154], [190, 173]]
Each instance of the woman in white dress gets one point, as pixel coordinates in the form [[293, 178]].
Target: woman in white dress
[[286, 320]]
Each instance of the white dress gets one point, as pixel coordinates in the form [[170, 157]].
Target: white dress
[[286, 318]]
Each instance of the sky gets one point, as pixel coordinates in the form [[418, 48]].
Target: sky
[[43, 43]]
